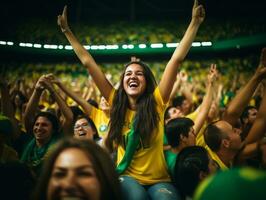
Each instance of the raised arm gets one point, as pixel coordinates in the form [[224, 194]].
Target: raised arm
[[66, 111], [32, 105], [176, 87], [170, 72], [80, 101], [186, 89], [84, 56], [241, 100], [207, 101], [258, 128]]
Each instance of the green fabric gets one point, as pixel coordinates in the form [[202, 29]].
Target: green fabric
[[233, 184], [170, 159], [165, 141], [133, 141], [34, 156]]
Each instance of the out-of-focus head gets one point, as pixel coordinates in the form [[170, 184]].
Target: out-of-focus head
[[233, 184], [180, 131], [104, 105], [249, 115], [221, 134], [181, 103], [78, 169], [193, 165], [171, 113]]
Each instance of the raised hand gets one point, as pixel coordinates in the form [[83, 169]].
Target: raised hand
[[62, 20], [213, 74], [39, 85], [53, 79], [198, 12], [261, 72], [47, 83]]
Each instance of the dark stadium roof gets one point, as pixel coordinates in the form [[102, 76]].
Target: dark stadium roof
[[15, 11]]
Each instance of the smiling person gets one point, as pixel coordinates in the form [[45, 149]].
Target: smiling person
[[84, 128], [136, 117], [45, 132], [100, 117], [78, 169], [45, 127]]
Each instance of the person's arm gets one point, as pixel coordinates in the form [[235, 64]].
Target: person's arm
[[258, 128], [80, 101], [170, 72], [207, 101], [32, 105], [186, 89], [66, 111], [175, 87], [84, 56], [241, 100]]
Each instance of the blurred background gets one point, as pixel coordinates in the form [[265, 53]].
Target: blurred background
[[31, 43]]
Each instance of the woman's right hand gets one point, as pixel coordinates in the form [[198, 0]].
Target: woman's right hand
[[62, 20]]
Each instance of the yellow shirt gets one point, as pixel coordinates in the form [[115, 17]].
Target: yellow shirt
[[192, 115], [148, 165], [101, 121]]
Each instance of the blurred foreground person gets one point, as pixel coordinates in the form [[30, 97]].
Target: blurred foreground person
[[78, 169]]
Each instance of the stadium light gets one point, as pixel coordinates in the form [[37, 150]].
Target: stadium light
[[68, 47], [37, 45], [172, 45], [196, 44], [142, 46], [10, 43], [206, 43], [157, 45]]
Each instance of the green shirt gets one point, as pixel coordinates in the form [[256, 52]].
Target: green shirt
[[170, 158]]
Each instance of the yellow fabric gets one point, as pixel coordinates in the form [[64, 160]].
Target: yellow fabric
[[192, 115], [200, 141], [100, 120], [148, 165], [48, 106]]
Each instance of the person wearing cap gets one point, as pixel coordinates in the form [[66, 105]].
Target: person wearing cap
[[233, 184]]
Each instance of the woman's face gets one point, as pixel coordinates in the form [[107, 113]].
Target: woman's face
[[42, 129], [83, 130], [104, 105], [73, 177], [174, 113], [134, 81]]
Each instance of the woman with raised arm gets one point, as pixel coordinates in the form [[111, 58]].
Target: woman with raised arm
[[136, 118], [44, 126], [99, 116]]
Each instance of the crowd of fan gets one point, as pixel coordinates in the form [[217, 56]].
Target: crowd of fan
[[196, 134], [122, 32]]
